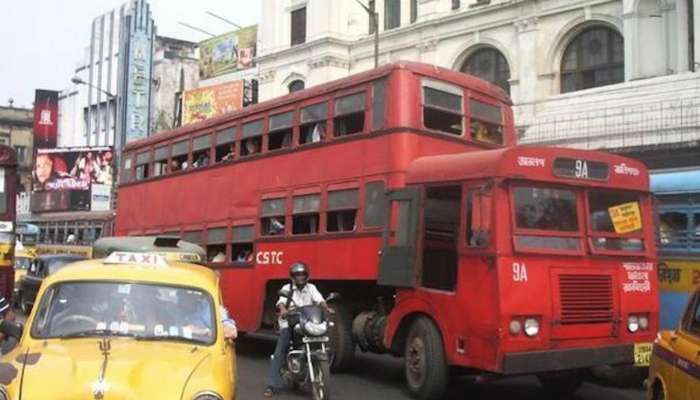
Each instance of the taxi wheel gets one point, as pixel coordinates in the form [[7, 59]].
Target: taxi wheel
[[342, 344], [426, 370], [561, 384]]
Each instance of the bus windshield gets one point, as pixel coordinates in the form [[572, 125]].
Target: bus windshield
[[615, 220]]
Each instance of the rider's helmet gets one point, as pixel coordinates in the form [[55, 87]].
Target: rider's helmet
[[299, 273]]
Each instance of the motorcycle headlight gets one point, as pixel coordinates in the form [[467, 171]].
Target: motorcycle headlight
[[316, 329], [208, 395]]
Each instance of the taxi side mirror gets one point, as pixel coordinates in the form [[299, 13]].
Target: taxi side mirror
[[11, 329]]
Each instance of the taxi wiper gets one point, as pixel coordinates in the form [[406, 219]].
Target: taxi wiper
[[96, 332], [168, 339]]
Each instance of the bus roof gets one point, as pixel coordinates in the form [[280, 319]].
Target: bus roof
[[474, 84], [675, 182], [528, 162]]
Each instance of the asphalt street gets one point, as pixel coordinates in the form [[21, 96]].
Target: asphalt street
[[381, 378]]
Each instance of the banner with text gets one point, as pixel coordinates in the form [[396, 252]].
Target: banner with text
[[45, 119], [200, 104]]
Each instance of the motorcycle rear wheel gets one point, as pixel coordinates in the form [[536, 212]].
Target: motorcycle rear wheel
[[320, 387]]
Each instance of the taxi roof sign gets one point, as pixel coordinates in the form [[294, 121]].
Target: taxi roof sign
[[125, 257], [172, 248]]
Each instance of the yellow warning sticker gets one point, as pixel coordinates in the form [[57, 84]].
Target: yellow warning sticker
[[626, 217]]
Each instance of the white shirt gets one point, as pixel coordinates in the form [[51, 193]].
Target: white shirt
[[307, 296]]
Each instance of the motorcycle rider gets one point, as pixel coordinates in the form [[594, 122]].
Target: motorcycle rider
[[301, 293]]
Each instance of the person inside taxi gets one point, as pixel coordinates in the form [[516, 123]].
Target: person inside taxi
[[301, 293]]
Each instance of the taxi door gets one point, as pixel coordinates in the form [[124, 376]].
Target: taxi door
[[686, 345]]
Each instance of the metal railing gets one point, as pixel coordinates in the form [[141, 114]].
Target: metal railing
[[635, 125]]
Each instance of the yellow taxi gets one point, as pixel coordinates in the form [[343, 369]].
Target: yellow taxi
[[130, 326], [674, 371], [23, 259]]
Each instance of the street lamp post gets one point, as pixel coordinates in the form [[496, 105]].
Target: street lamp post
[[374, 16], [79, 81]]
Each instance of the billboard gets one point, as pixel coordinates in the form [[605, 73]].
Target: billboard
[[64, 178], [227, 53], [45, 119], [200, 104]]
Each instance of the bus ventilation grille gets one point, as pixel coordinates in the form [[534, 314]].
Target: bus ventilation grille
[[586, 299]]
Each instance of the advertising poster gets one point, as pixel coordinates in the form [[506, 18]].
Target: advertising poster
[[200, 104], [227, 53], [64, 177], [45, 119]]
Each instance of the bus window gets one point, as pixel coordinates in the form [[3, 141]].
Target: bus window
[[160, 164], [305, 214], [280, 135], [673, 228], [200, 151], [3, 192], [442, 107], [486, 122], [378, 103], [179, 161], [478, 217], [252, 138], [349, 115], [192, 237], [441, 218], [695, 232], [142, 161], [375, 204], [273, 220], [313, 123], [216, 245], [549, 214], [602, 205], [126, 168], [225, 146], [242, 246], [342, 211]]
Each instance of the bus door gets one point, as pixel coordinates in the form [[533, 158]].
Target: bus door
[[398, 261]]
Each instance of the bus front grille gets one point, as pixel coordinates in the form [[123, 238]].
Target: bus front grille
[[586, 299]]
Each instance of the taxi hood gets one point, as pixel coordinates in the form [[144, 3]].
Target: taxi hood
[[71, 369]]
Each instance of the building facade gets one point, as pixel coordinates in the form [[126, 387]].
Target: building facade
[[586, 73], [16, 130]]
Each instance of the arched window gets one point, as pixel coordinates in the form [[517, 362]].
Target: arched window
[[490, 65], [296, 85], [596, 57]]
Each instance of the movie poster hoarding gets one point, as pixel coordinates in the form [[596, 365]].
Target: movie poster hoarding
[[230, 52], [45, 119], [65, 178], [200, 104]]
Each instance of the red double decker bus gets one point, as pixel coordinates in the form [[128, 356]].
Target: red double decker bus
[[403, 189]]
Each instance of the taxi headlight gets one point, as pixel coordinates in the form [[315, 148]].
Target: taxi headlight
[[514, 327], [208, 395], [633, 323], [532, 327], [316, 329]]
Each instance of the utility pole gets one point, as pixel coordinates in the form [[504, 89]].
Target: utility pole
[[374, 16]]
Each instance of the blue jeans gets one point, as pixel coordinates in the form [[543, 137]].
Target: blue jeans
[[274, 379]]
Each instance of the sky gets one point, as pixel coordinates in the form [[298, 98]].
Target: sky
[[42, 41]]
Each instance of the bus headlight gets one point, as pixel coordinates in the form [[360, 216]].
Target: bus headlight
[[643, 322], [515, 327], [532, 327], [633, 323]]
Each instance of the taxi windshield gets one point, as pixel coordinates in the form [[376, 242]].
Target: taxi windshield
[[141, 311]]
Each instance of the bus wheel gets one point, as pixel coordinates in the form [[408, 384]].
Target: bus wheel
[[561, 384], [342, 345], [424, 360]]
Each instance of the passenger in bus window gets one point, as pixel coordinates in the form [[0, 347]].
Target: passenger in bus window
[[252, 146], [244, 256], [229, 155], [318, 133], [276, 226], [174, 166]]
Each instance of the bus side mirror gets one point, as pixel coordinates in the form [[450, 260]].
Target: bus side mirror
[[11, 329], [481, 238]]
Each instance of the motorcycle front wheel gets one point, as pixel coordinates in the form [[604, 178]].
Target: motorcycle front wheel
[[320, 387]]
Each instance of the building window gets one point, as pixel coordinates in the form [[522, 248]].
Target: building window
[[442, 108], [414, 11], [456, 4], [372, 5], [21, 153], [596, 57], [296, 86], [298, 26], [392, 14], [490, 65]]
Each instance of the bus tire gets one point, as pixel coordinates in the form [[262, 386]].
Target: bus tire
[[427, 373], [561, 384], [342, 344]]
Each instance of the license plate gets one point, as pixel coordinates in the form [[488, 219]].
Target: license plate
[[642, 354], [315, 340]]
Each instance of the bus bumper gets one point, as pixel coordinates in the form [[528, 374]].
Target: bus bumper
[[558, 360]]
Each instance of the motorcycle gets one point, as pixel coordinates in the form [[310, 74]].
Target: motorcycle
[[308, 361]]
